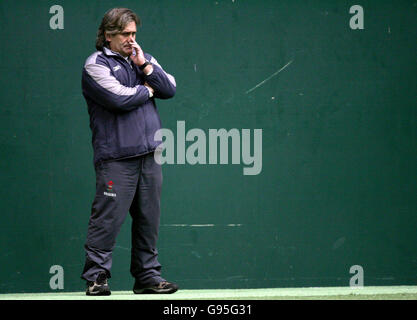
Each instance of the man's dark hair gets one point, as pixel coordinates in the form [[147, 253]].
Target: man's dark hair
[[114, 21]]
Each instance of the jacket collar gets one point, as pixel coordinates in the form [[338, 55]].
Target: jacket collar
[[109, 52]]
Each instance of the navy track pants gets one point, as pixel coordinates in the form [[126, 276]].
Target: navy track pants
[[130, 185]]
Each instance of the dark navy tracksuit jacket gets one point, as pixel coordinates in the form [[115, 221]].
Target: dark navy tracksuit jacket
[[123, 118], [123, 121]]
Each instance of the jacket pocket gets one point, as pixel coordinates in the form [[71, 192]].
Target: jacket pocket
[[130, 129]]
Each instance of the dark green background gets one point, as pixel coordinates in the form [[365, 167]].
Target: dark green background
[[338, 185]]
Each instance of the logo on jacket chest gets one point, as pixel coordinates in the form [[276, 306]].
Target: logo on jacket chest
[[117, 68]]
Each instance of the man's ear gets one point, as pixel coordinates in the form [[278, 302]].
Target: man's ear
[[107, 36]]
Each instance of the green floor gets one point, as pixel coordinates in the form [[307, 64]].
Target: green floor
[[333, 293]]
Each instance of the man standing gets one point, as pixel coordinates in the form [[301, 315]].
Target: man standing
[[120, 83]]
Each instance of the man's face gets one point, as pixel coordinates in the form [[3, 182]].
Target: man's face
[[120, 42]]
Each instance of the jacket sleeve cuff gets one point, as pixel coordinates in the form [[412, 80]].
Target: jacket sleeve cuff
[[149, 73]]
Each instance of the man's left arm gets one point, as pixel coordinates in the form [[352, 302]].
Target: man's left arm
[[162, 82]]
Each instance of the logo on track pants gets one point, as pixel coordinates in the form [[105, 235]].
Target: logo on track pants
[[109, 191]]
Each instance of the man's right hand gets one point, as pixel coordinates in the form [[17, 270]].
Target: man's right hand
[[149, 88]]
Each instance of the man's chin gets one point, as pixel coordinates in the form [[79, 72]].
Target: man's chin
[[128, 52]]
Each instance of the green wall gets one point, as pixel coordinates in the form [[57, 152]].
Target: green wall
[[338, 181]]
